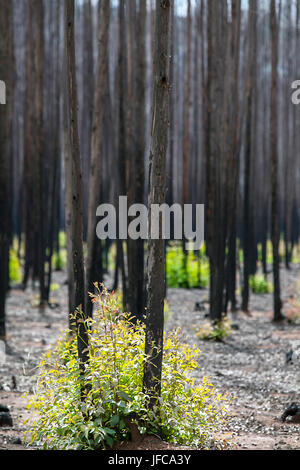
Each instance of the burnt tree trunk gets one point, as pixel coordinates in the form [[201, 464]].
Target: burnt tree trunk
[[157, 173], [216, 146], [274, 162], [233, 173], [94, 264], [73, 172], [136, 278], [249, 154], [5, 139]]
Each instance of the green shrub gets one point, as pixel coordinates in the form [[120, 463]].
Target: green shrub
[[259, 284], [59, 260], [215, 332], [15, 275], [62, 239], [54, 287], [112, 257], [189, 413], [186, 270]]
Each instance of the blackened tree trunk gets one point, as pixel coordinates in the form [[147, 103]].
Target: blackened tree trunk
[[131, 136], [5, 139], [157, 169], [288, 142], [249, 154], [29, 209], [141, 146], [136, 269], [88, 82], [216, 148], [187, 109], [274, 162], [187, 130], [68, 202], [73, 174], [34, 150], [122, 84], [39, 150], [53, 227], [233, 174], [94, 264]]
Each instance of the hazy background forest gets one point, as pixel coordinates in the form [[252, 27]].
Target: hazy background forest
[[227, 136], [187, 99]]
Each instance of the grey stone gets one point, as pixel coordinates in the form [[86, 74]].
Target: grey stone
[[5, 419]]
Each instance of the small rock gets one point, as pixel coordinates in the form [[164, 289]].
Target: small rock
[[5, 419], [16, 441], [292, 410], [289, 356], [14, 382], [199, 307], [3, 408], [295, 419]]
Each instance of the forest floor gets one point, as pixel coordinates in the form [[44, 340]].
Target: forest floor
[[250, 364]]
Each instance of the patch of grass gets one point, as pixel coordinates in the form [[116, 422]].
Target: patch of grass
[[186, 270], [54, 287], [215, 332], [59, 260], [15, 275], [62, 239], [260, 285]]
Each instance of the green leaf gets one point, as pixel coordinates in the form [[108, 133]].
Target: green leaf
[[114, 420], [124, 396], [109, 431], [110, 441]]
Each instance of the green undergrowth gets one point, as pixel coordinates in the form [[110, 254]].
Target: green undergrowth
[[54, 287], [191, 411], [188, 270], [15, 274], [215, 332], [260, 285], [59, 260]]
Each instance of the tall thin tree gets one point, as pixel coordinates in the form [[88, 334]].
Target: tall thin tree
[[274, 161], [157, 175], [94, 265], [74, 177], [5, 140]]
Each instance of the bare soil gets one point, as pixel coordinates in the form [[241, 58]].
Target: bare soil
[[250, 365]]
